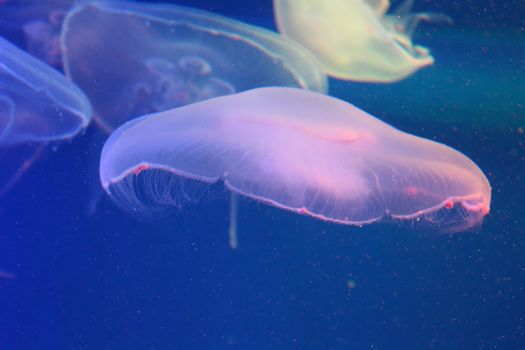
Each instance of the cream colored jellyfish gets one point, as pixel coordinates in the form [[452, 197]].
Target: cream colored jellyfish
[[356, 39]]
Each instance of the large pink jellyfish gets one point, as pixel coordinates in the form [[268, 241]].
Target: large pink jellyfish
[[301, 151]]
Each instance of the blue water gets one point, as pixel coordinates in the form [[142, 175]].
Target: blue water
[[81, 274]]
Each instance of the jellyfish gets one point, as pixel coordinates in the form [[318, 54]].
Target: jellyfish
[[133, 59], [39, 23], [298, 150], [37, 105], [356, 39]]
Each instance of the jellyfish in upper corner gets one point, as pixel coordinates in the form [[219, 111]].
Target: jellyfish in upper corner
[[38, 23], [297, 150], [133, 59], [356, 39], [37, 105]]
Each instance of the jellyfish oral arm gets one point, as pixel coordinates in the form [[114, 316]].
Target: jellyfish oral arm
[[232, 230]]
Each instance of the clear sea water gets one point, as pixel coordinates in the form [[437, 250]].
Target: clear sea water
[[76, 275]]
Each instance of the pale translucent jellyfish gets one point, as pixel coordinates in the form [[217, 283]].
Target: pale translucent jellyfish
[[132, 59], [37, 105], [356, 39], [297, 150]]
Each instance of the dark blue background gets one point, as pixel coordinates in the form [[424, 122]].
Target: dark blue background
[[107, 280]]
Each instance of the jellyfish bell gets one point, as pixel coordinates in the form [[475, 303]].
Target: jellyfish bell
[[39, 102], [37, 105], [357, 40], [297, 150], [178, 55]]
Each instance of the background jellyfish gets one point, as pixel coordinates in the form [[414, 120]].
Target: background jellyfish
[[37, 105], [300, 151], [177, 56], [357, 40], [38, 23]]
